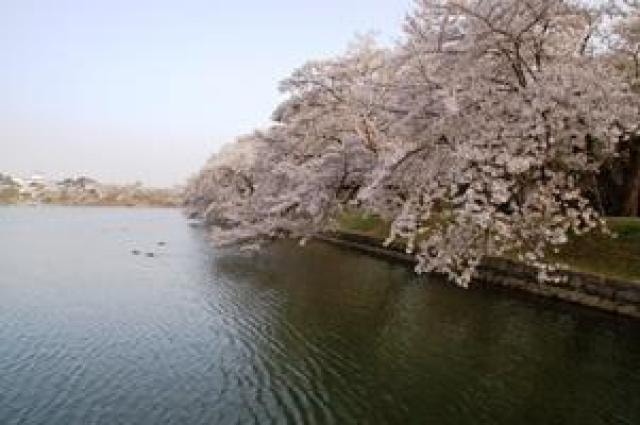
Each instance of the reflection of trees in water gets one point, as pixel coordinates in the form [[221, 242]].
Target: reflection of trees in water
[[334, 310], [379, 344]]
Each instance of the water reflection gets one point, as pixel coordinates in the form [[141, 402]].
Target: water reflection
[[390, 347], [288, 335]]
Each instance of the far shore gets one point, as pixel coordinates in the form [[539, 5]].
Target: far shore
[[84, 191], [91, 205]]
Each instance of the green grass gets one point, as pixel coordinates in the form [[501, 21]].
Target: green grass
[[592, 253], [363, 224], [601, 254]]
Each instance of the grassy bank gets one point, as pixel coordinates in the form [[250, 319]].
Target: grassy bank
[[593, 253], [616, 257]]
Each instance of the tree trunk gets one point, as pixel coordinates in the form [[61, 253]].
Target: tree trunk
[[631, 188]]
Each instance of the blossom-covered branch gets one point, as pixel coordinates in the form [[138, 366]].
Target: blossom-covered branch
[[474, 136]]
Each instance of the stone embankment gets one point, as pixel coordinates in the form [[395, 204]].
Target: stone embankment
[[608, 294]]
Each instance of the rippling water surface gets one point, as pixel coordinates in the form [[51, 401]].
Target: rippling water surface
[[92, 334]]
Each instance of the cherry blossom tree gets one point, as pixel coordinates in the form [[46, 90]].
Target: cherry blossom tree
[[617, 188], [529, 112], [475, 136]]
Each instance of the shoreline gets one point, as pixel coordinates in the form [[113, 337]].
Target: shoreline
[[617, 296], [93, 205]]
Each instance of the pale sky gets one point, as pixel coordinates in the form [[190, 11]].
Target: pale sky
[[148, 89]]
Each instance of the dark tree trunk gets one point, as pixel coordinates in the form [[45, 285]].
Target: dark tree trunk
[[631, 186], [617, 188]]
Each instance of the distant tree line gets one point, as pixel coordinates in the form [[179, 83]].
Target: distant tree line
[[84, 191]]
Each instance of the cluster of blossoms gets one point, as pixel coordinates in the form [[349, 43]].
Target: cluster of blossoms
[[473, 137]]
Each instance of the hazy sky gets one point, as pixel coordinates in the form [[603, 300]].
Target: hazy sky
[[148, 89]]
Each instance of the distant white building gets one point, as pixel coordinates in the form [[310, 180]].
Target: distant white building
[[37, 177]]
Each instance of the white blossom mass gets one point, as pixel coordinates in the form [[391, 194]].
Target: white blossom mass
[[480, 134]]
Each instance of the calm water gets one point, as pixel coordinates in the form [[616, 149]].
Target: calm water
[[91, 334]]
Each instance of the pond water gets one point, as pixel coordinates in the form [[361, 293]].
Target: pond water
[[92, 334]]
